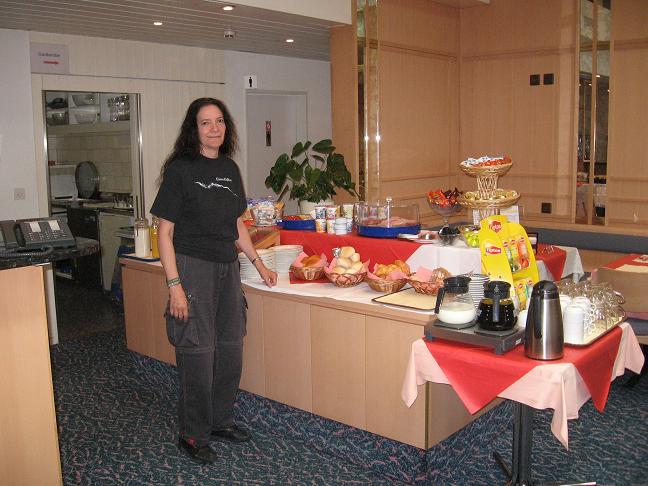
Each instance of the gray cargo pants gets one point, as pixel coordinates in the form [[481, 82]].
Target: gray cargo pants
[[209, 346]]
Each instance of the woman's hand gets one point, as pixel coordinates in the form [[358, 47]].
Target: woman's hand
[[178, 303], [268, 276]]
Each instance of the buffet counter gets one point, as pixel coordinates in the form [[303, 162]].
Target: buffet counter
[[323, 349]]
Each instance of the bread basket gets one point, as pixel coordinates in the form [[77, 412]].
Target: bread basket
[[307, 273], [427, 288], [346, 279], [386, 286]]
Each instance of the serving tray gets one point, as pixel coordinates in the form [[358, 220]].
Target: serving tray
[[384, 232], [408, 299], [298, 224], [598, 333]]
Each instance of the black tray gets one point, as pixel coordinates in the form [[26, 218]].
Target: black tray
[[500, 344]]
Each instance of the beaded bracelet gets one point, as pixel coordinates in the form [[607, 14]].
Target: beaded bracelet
[[173, 281]]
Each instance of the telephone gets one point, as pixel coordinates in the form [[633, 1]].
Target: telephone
[[33, 237]]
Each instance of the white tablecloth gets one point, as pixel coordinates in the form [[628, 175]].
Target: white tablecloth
[[459, 259], [557, 386]]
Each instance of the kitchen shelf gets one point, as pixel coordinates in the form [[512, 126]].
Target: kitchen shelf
[[103, 127]]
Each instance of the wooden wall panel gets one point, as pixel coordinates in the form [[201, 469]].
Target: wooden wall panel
[[627, 202], [419, 25], [419, 108], [344, 98], [518, 25], [501, 113]]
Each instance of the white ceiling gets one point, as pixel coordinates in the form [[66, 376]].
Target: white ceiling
[[186, 22]]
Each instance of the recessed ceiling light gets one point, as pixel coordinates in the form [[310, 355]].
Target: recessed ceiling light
[[157, 23], [290, 41], [228, 8]]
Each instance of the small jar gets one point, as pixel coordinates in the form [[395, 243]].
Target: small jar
[[142, 238], [153, 230]]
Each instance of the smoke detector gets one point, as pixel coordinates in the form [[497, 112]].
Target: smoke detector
[[229, 33]]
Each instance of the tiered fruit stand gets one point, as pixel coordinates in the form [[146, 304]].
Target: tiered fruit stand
[[488, 199]]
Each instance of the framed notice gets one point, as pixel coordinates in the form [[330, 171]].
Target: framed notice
[[49, 58]]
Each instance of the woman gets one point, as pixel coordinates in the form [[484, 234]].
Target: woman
[[199, 204]]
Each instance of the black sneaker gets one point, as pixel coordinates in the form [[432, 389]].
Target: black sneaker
[[233, 433], [200, 454]]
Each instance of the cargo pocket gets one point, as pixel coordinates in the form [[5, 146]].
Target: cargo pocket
[[244, 310], [181, 333]]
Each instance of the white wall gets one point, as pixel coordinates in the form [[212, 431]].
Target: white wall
[[168, 78], [278, 74], [17, 160]]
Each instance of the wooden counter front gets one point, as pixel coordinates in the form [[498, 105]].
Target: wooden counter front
[[338, 359], [29, 452], [344, 361]]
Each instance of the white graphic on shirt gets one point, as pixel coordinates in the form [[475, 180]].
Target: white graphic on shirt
[[213, 185]]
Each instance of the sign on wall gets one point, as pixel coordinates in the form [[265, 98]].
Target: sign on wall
[[49, 58]]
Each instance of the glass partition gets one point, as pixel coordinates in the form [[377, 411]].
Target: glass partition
[[593, 104]]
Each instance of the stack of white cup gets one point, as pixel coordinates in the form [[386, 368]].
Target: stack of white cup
[[574, 319]]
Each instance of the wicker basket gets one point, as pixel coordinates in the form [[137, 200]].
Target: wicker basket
[[497, 170], [504, 202], [307, 273], [346, 279], [386, 286], [427, 288]]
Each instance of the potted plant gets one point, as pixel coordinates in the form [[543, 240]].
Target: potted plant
[[311, 173]]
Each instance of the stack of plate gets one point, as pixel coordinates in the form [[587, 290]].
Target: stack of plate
[[284, 255], [476, 287], [248, 270]]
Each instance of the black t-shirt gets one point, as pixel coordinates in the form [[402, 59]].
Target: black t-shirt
[[203, 198]]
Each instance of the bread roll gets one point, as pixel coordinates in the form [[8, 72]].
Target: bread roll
[[404, 267], [347, 251], [356, 267], [339, 270], [355, 257], [311, 260], [344, 262]]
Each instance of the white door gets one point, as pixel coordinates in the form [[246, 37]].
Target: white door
[[275, 122]]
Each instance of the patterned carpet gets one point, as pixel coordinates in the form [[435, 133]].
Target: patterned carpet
[[117, 425]]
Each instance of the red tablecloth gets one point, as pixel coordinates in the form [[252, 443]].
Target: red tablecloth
[[632, 259], [478, 375], [378, 250], [553, 258]]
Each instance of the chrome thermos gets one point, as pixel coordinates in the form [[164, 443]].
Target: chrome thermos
[[544, 330]]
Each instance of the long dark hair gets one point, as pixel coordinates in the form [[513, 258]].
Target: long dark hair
[[188, 145]]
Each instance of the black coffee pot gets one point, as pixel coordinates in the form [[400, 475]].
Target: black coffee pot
[[496, 309]]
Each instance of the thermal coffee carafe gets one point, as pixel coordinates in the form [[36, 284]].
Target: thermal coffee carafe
[[544, 327], [496, 309]]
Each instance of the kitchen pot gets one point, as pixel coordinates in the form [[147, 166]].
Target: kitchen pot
[[496, 309], [544, 326]]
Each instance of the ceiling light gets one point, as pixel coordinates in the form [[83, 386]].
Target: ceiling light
[[598, 75], [229, 33], [228, 8], [157, 23], [290, 41]]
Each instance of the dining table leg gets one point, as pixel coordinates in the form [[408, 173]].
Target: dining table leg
[[520, 472]]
